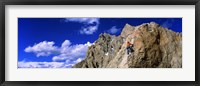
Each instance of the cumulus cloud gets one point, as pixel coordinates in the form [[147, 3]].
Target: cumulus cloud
[[113, 30], [43, 49], [72, 52], [83, 20], [90, 25], [88, 30], [23, 64], [66, 43], [67, 52]]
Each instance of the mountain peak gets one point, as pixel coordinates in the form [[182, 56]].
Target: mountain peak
[[128, 29], [153, 45]]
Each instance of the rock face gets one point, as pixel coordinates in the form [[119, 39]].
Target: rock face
[[154, 47]]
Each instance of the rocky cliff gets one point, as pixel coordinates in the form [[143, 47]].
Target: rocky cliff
[[154, 47]]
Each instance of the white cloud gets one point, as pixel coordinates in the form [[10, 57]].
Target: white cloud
[[43, 49], [83, 20], [89, 30], [67, 64], [60, 57], [113, 30], [66, 43], [90, 24], [23, 64], [71, 54]]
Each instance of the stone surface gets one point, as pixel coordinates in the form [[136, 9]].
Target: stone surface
[[154, 47]]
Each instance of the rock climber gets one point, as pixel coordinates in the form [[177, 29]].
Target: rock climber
[[129, 47]]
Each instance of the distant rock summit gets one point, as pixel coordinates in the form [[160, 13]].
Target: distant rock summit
[[154, 47]]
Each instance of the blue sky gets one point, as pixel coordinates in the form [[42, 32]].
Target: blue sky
[[62, 42]]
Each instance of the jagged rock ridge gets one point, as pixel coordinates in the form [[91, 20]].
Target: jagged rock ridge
[[154, 47]]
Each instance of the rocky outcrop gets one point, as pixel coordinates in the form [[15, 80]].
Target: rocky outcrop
[[154, 47]]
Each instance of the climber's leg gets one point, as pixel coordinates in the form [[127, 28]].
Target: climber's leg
[[127, 50], [131, 49]]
